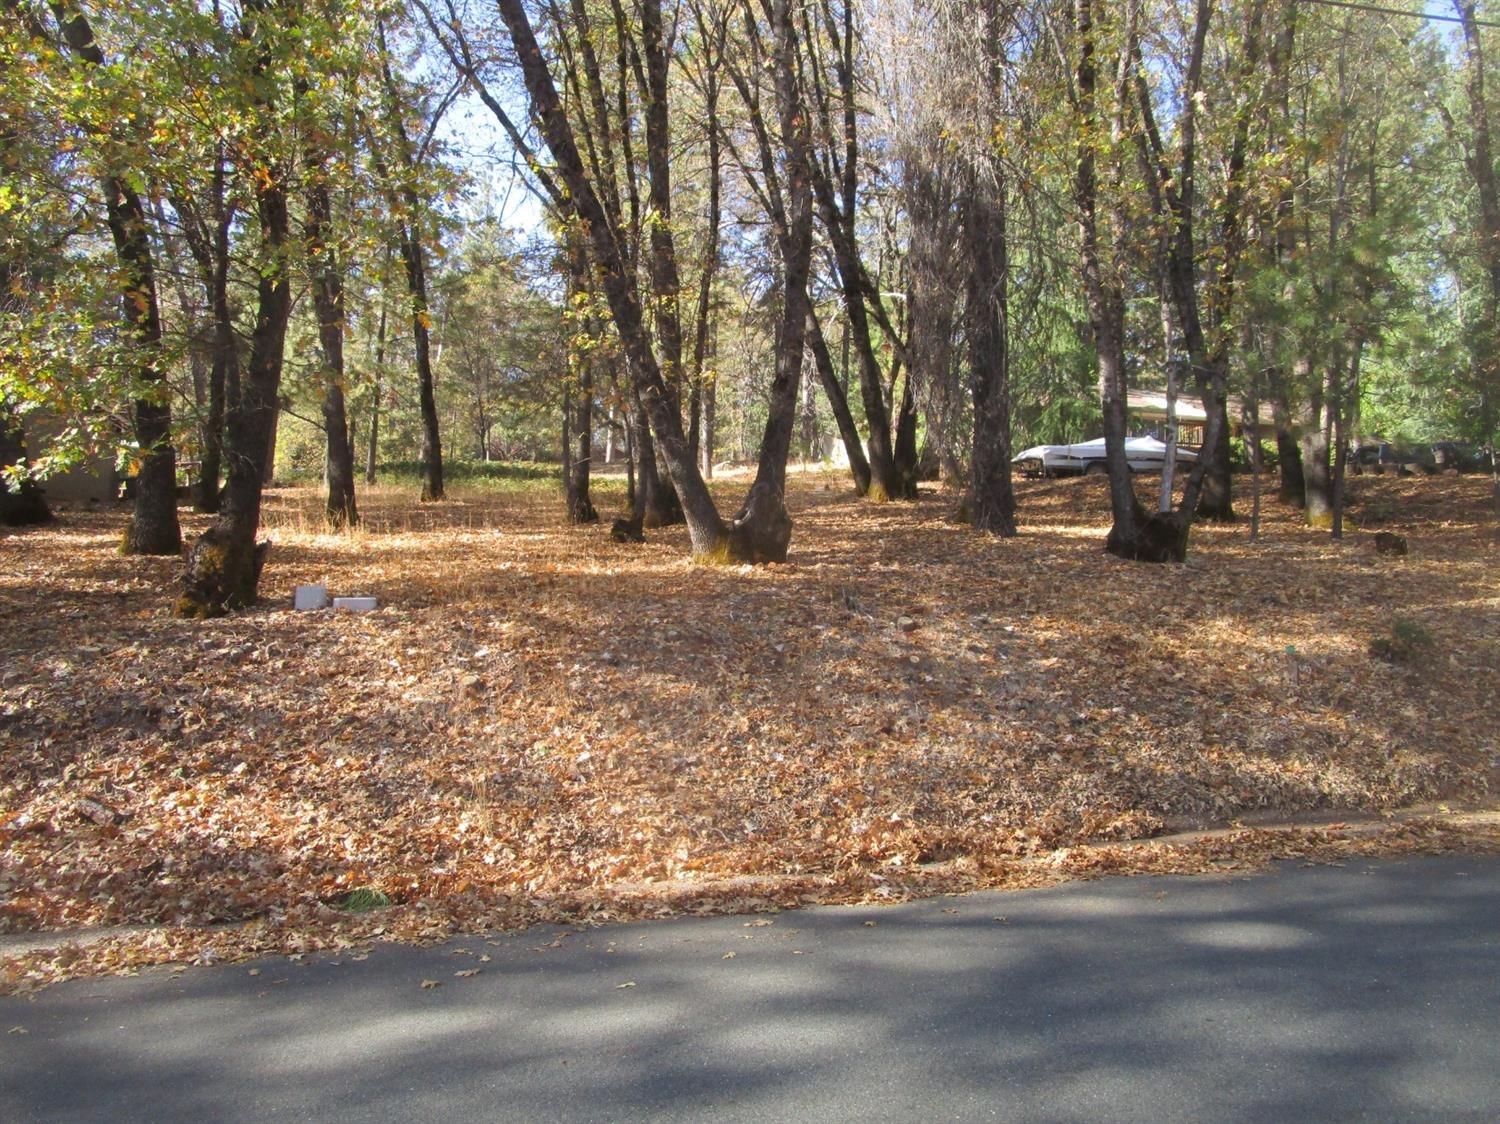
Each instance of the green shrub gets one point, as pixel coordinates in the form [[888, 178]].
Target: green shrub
[[1407, 642], [1239, 454]]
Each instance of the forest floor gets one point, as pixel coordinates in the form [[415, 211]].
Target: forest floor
[[541, 724]]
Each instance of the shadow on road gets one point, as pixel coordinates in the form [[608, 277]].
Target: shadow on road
[[1369, 991]]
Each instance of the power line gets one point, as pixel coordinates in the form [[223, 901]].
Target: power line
[[1381, 11]]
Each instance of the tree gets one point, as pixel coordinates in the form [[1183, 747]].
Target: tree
[[406, 205], [224, 565], [154, 528], [340, 507], [761, 530], [1479, 160], [835, 168]]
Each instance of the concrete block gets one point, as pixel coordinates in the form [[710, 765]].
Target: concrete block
[[354, 604], [310, 597]]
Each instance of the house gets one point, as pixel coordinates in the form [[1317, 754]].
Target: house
[[1149, 407], [92, 480]]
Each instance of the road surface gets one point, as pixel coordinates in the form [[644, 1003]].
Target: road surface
[[1369, 991]]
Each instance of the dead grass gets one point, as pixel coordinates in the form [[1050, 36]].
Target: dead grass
[[539, 722]]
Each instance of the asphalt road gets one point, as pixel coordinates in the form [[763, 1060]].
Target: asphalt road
[[1370, 991]]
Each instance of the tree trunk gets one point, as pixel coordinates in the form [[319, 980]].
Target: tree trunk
[[578, 448], [413, 258], [1251, 420], [762, 529], [372, 452], [1288, 455], [224, 565], [837, 205], [225, 352], [859, 467], [211, 246], [1480, 160], [268, 461], [807, 422], [1290, 488], [340, 509], [1340, 456], [1133, 535], [711, 537], [1312, 444], [905, 449], [986, 332], [1215, 502], [658, 505], [710, 419], [1207, 493], [153, 527], [1174, 384]]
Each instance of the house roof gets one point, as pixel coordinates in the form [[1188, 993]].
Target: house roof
[[1153, 404]]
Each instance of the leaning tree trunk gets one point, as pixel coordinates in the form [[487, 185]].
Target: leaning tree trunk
[[837, 203], [413, 257], [432, 444], [711, 538], [838, 402], [657, 502], [224, 565], [1133, 534]]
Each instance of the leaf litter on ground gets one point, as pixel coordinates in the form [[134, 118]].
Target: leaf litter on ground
[[542, 725]]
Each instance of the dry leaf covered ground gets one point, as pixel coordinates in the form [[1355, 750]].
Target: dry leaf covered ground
[[541, 723]]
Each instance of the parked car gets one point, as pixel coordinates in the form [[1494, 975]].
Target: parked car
[[1385, 457], [1143, 454], [1460, 456]]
